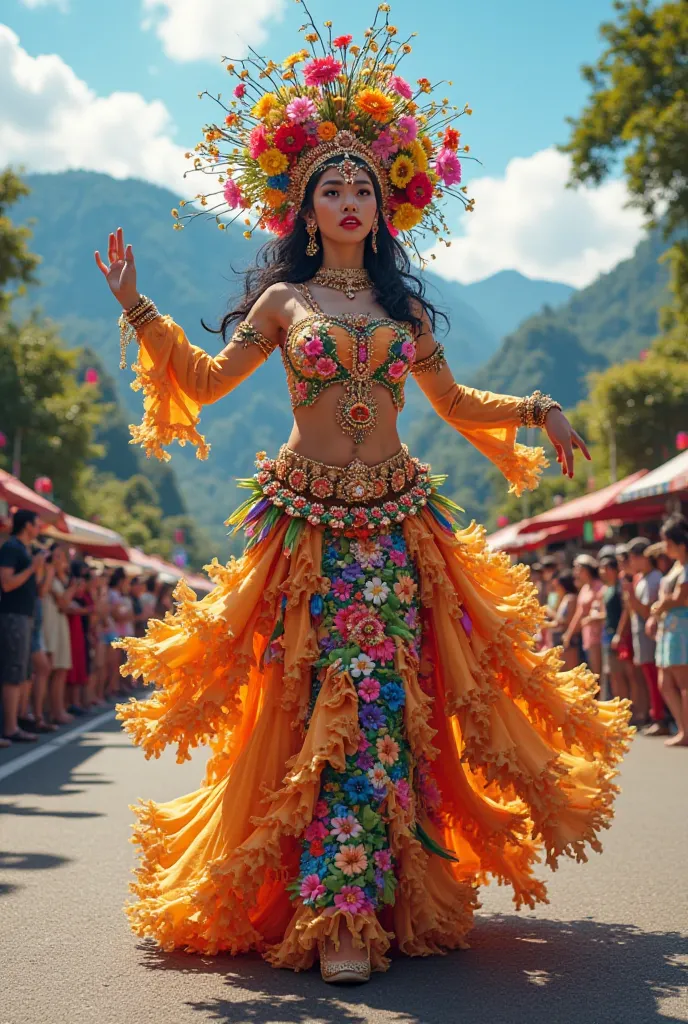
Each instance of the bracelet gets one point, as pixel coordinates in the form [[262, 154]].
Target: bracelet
[[435, 361], [130, 321], [533, 410], [246, 334]]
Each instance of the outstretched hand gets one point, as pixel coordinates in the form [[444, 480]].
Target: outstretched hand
[[120, 271], [565, 440]]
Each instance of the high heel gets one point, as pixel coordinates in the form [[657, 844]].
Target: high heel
[[347, 972]]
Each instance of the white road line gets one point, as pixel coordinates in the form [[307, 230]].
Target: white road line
[[44, 749]]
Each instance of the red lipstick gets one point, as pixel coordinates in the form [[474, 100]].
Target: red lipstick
[[350, 222]]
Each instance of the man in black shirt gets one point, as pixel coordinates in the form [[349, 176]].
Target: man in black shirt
[[18, 569]]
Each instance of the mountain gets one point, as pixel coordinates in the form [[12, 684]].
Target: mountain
[[193, 274], [505, 299]]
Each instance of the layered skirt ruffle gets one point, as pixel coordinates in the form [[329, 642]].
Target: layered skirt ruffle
[[523, 754]]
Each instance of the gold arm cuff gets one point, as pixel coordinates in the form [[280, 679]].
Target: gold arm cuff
[[247, 334], [533, 410], [435, 361], [130, 321]]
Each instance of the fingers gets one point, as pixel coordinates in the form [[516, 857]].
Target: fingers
[[99, 263], [567, 459], [120, 244], [129, 255], [112, 248], [578, 442]]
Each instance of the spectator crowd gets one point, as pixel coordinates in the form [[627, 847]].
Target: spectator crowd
[[58, 619], [624, 612]]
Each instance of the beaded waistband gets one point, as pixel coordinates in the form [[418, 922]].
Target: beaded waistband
[[356, 495]]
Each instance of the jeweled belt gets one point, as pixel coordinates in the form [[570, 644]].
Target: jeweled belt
[[353, 495]]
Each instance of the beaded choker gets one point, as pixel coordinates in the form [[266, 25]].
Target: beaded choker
[[347, 280]]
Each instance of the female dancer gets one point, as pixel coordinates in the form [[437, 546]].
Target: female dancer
[[384, 736]]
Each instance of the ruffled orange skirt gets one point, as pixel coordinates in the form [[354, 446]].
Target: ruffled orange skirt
[[524, 755]]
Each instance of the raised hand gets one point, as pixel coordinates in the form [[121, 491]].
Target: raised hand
[[120, 271], [565, 440]]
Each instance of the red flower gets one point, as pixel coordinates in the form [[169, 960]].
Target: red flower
[[240, 90], [396, 198], [419, 190], [316, 848], [290, 138], [451, 138], [341, 42], [321, 71]]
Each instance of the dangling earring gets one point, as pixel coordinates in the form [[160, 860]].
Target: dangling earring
[[312, 247], [373, 234]]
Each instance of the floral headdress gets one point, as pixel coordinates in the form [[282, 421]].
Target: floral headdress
[[286, 121]]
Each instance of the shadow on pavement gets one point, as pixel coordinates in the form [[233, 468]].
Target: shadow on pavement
[[518, 970]]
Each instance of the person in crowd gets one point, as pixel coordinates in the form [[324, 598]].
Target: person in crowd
[[619, 672], [33, 714], [137, 589], [120, 624], [641, 593], [165, 600], [586, 576], [149, 600], [18, 591], [622, 645], [56, 604], [97, 589], [538, 580], [670, 611], [78, 614], [560, 619]]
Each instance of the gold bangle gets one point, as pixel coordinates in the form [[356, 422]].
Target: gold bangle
[[533, 410], [247, 334], [435, 361], [130, 321]]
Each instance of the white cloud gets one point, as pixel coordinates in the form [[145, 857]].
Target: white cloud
[[62, 5], [528, 221], [198, 29], [50, 120]]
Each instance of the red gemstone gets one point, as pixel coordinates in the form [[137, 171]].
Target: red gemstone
[[362, 354], [360, 413]]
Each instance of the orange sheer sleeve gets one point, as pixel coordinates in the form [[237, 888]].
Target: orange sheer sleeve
[[177, 379]]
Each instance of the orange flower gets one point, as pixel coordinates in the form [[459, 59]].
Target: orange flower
[[231, 120], [451, 138], [387, 750], [405, 588], [327, 130], [351, 860], [375, 103]]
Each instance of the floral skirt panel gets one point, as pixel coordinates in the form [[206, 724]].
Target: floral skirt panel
[[383, 735]]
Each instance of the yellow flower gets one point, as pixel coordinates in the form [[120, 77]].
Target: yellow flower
[[287, 75], [273, 197], [273, 162], [426, 143], [406, 48], [373, 46], [420, 157], [312, 37], [401, 171], [264, 105], [375, 103], [391, 31], [327, 130], [407, 217], [292, 59], [355, 50]]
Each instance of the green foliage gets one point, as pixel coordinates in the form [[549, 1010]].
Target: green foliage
[[43, 406], [639, 106], [17, 264]]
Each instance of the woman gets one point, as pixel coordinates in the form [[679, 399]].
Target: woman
[[671, 614], [56, 604], [97, 590], [619, 670], [79, 624], [119, 624], [367, 767], [560, 618], [586, 621]]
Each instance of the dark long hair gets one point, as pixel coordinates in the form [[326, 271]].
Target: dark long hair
[[399, 292]]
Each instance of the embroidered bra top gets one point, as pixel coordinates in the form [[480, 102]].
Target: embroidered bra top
[[355, 350]]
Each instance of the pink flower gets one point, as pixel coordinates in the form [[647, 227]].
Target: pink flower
[[302, 390], [342, 590], [397, 369], [400, 86], [257, 142], [321, 71], [321, 809], [316, 830], [398, 557], [351, 898], [448, 167], [326, 367], [240, 90], [383, 651], [383, 860], [403, 792], [384, 146], [232, 194], [406, 129], [351, 860], [408, 351], [345, 828], [362, 743], [369, 690], [313, 347], [300, 109], [390, 227], [311, 888], [281, 226]]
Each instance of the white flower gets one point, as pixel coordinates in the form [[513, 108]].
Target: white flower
[[361, 665], [376, 591], [378, 776]]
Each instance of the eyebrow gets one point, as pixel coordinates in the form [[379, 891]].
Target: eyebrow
[[360, 181]]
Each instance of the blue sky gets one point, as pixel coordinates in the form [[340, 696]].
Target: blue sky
[[144, 61]]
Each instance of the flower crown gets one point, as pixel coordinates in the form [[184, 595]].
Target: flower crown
[[284, 123]]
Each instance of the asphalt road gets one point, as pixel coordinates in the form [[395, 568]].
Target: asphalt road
[[611, 948]]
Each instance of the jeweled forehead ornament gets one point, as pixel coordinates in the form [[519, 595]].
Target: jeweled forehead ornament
[[347, 168]]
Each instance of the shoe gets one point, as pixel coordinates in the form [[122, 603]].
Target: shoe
[[21, 737], [346, 972], [657, 729]]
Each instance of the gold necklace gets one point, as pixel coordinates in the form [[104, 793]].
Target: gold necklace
[[347, 280]]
